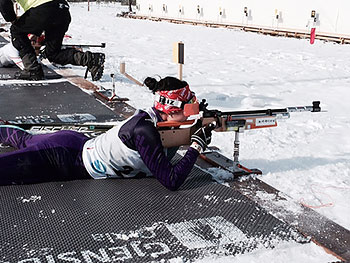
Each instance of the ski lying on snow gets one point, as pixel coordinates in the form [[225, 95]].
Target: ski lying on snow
[[334, 238]]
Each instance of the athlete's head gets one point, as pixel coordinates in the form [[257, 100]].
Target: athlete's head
[[171, 94]]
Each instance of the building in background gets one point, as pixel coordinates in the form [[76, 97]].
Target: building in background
[[289, 17]]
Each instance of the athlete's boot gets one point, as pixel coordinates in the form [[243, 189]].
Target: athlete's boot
[[93, 61], [32, 68]]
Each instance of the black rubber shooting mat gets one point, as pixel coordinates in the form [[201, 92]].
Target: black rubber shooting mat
[[132, 220], [58, 102], [9, 72]]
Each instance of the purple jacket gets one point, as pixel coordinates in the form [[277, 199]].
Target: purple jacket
[[140, 134]]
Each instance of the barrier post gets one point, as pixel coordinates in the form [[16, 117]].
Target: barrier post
[[179, 57]]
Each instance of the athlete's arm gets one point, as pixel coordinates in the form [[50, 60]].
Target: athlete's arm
[[147, 142]]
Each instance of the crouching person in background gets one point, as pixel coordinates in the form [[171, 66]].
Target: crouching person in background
[[53, 18]]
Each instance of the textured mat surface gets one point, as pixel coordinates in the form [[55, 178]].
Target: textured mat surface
[[132, 220], [8, 73], [50, 102]]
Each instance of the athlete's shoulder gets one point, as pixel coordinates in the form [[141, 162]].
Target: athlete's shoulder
[[145, 123], [141, 126], [140, 118], [148, 116]]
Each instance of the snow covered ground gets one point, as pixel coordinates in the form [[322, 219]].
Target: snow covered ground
[[307, 157]]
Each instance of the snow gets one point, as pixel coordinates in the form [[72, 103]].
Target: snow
[[306, 157], [283, 253], [32, 198]]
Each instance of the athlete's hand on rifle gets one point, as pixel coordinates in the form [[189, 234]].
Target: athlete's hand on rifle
[[203, 136]]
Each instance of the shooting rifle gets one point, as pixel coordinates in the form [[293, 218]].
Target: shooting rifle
[[81, 46], [39, 47], [238, 121], [174, 134]]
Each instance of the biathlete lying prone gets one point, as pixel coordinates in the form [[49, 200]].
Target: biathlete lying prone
[[132, 148]]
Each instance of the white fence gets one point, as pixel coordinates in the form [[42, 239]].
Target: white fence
[[330, 17]]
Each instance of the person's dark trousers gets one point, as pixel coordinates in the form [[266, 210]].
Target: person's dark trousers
[[53, 18], [41, 157]]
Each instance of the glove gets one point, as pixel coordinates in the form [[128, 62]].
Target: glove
[[203, 135]]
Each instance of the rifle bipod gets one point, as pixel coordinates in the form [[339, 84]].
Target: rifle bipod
[[233, 166]]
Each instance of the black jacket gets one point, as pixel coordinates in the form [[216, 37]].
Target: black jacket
[[6, 9]]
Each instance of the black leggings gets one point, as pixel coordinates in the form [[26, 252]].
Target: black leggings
[[52, 17]]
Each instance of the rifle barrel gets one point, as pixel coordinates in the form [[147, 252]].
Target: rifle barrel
[[102, 45], [269, 112]]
